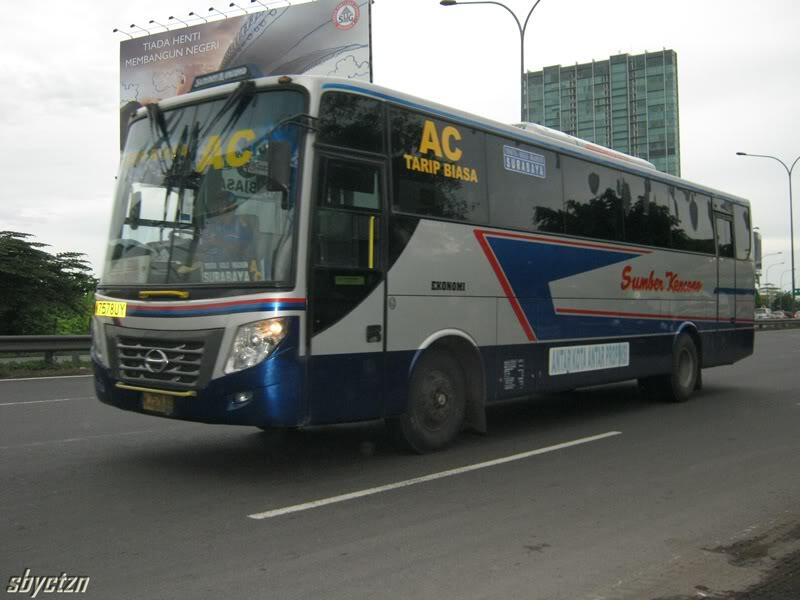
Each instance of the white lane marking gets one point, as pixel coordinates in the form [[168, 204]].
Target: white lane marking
[[86, 438], [51, 377], [425, 478], [45, 401]]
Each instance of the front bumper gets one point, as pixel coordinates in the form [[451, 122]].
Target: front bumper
[[275, 385]]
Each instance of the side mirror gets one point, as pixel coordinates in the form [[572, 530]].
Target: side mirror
[[135, 212], [279, 156], [757, 250]]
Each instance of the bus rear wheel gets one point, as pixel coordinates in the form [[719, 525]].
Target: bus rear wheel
[[436, 404], [684, 378]]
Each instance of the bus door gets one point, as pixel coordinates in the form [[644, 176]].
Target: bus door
[[347, 291], [726, 274]]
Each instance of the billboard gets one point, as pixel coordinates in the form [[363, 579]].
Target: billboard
[[324, 37]]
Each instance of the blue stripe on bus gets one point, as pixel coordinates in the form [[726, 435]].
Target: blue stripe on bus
[[528, 291], [531, 288], [735, 291]]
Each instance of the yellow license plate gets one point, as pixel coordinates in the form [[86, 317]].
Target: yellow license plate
[[158, 403], [104, 308]]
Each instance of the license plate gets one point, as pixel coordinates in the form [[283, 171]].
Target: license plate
[[158, 403], [104, 308]]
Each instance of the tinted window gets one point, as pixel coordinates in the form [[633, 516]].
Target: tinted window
[[741, 224], [347, 243], [647, 212], [351, 121], [524, 186], [350, 185], [593, 197], [347, 235], [348, 239], [692, 227], [725, 238], [438, 168]]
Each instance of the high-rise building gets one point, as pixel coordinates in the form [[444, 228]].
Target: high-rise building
[[628, 103]]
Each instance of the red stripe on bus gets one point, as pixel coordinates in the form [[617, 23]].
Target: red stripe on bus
[[608, 313], [556, 242], [509, 292], [631, 315]]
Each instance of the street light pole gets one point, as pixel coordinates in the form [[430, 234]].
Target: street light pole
[[523, 27], [791, 214], [770, 287]]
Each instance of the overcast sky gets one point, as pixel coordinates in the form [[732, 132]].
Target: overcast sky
[[738, 77]]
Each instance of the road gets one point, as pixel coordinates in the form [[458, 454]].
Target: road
[[675, 501]]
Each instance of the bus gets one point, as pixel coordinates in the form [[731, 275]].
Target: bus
[[294, 251]]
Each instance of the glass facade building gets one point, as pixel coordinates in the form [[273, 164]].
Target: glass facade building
[[628, 103]]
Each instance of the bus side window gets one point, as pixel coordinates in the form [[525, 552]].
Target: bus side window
[[647, 212], [593, 200], [724, 238], [439, 168], [352, 121], [524, 186], [692, 228], [741, 224]]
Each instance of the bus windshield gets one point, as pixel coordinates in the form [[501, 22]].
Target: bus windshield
[[196, 200]]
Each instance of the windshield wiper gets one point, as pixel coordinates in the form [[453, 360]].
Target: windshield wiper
[[302, 120], [238, 100], [159, 131]]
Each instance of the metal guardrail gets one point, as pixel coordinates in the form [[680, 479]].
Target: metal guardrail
[[45, 343], [778, 324]]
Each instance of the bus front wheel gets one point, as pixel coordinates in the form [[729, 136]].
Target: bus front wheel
[[685, 375], [436, 406]]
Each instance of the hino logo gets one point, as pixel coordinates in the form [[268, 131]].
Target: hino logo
[[155, 361]]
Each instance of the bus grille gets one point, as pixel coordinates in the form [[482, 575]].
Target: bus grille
[[152, 361]]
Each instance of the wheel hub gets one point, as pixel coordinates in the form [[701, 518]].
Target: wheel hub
[[436, 405]]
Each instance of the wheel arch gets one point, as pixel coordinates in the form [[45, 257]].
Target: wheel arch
[[463, 347], [691, 329]]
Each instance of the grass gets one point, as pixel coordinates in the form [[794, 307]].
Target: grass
[[40, 368]]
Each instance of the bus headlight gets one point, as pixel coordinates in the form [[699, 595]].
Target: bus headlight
[[254, 342]]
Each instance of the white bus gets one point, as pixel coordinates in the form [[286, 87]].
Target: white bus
[[301, 250]]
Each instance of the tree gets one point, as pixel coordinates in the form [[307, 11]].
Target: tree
[[38, 289], [783, 301]]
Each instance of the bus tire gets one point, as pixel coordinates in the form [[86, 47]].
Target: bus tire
[[436, 404], [684, 378], [685, 369]]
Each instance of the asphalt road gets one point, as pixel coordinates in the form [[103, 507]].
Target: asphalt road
[[676, 501]]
